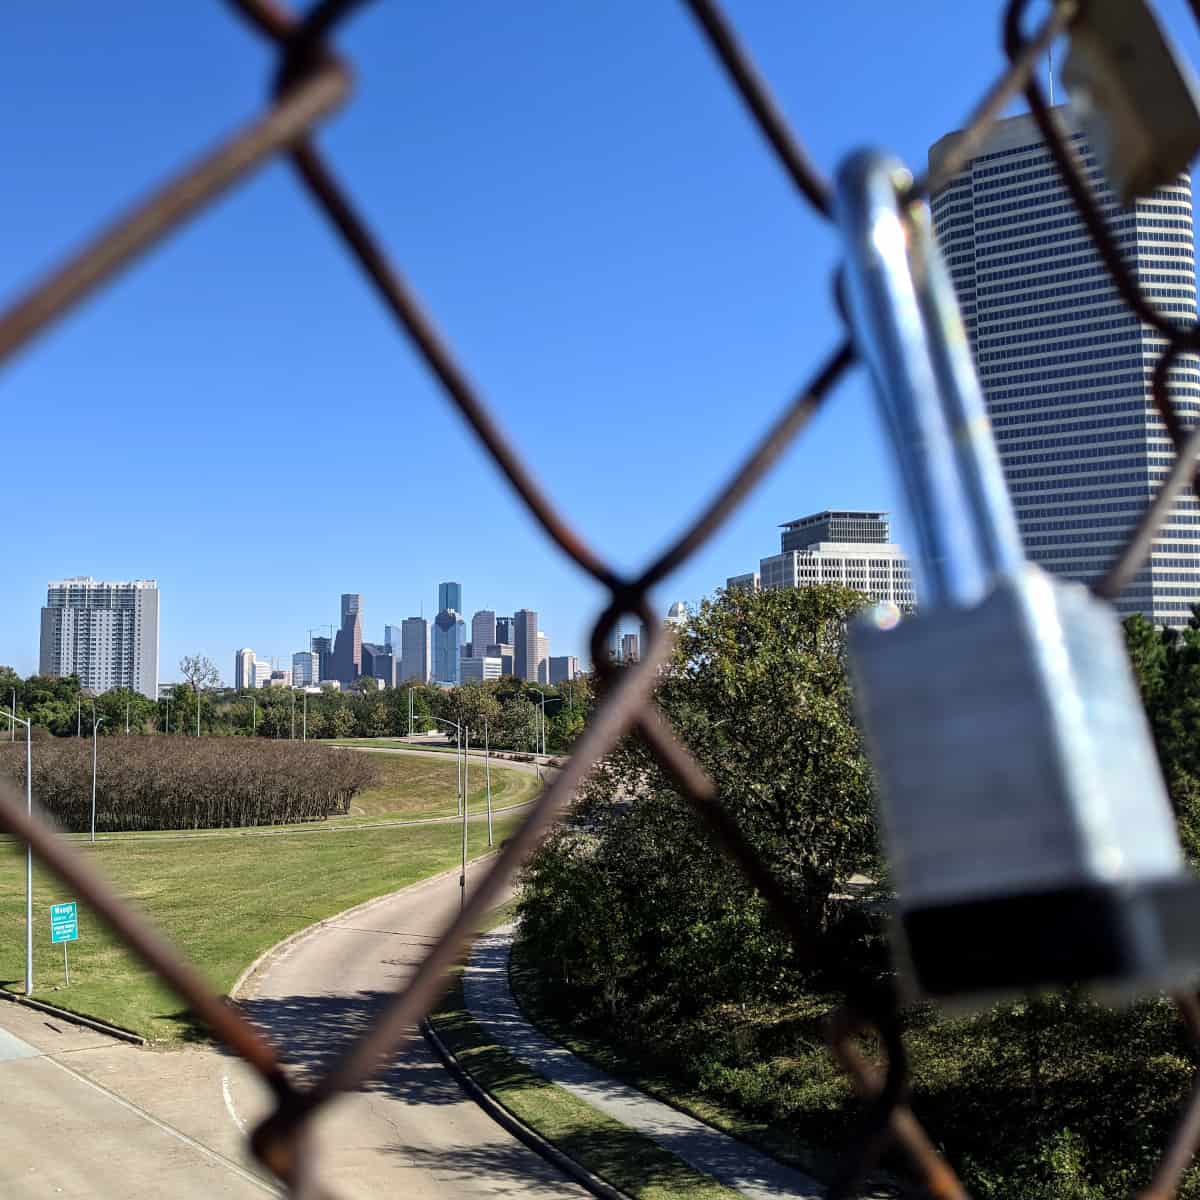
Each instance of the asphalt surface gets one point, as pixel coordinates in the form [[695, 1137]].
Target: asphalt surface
[[412, 1131]]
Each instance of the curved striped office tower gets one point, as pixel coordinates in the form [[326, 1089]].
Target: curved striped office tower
[[1065, 366]]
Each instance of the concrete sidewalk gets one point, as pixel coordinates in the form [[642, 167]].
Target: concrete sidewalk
[[490, 1001]]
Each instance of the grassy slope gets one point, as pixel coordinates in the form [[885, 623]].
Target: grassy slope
[[616, 1153], [223, 900], [411, 786]]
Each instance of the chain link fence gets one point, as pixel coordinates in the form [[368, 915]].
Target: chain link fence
[[311, 82]]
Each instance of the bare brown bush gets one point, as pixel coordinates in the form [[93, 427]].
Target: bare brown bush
[[181, 783]]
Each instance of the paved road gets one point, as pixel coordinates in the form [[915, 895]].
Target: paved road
[[83, 1115], [412, 1132]]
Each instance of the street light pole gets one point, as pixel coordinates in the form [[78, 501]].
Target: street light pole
[[293, 714], [457, 755], [79, 716], [12, 723], [410, 713], [304, 725], [197, 710], [95, 726], [462, 879], [487, 770], [253, 714], [28, 849], [126, 718]]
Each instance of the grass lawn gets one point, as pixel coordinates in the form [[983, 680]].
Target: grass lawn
[[616, 1153], [410, 786], [223, 900]]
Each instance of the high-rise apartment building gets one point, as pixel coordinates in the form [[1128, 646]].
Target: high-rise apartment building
[[243, 669], [347, 647], [414, 650], [564, 668], [483, 630], [504, 631], [261, 672], [450, 597], [1065, 365], [525, 647], [874, 566], [449, 634], [306, 668], [106, 633]]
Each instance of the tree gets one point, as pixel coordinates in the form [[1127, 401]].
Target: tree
[[757, 689], [199, 672]]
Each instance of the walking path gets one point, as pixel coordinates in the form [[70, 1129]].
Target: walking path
[[490, 1001]]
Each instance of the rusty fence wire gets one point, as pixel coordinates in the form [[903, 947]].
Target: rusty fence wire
[[310, 83]]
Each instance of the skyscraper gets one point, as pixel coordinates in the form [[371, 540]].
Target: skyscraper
[[525, 647], [504, 631], [347, 647], [483, 630], [378, 663], [322, 647], [630, 648], [449, 634], [243, 669], [564, 668], [106, 633], [393, 639], [414, 650], [306, 668], [543, 658], [450, 597], [1065, 365]]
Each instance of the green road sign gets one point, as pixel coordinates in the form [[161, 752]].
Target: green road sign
[[64, 922]]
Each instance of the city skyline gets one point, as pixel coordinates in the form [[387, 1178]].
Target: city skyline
[[284, 324]]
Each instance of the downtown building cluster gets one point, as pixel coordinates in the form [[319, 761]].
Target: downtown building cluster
[[444, 651]]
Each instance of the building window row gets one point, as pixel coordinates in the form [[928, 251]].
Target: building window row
[[1115, 344], [1041, 329], [1137, 406]]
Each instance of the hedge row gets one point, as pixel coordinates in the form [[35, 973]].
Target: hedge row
[[177, 783]]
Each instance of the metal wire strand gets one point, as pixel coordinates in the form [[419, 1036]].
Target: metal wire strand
[[59, 857], [1185, 1139], [890, 1116], [1001, 92], [272, 1140], [758, 99], [165, 209], [1182, 473]]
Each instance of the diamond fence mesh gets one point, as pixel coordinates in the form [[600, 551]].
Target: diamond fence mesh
[[311, 82]]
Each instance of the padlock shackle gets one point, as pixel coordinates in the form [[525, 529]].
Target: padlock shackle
[[908, 330]]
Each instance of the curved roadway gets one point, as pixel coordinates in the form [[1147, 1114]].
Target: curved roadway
[[411, 1131]]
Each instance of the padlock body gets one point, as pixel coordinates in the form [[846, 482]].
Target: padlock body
[[1028, 827]]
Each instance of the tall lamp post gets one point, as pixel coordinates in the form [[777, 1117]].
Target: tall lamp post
[[540, 693], [293, 714], [12, 721], [95, 727], [12, 716], [462, 879], [487, 770], [457, 758]]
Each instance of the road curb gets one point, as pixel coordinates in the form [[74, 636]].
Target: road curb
[[76, 1019], [514, 1125]]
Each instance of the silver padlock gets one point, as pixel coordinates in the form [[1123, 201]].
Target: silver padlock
[[1133, 94], [1025, 816]]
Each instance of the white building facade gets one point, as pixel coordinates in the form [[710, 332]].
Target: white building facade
[[243, 669], [871, 564], [1066, 367], [104, 632], [475, 668]]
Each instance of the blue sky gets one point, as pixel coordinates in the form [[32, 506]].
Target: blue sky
[[590, 217]]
